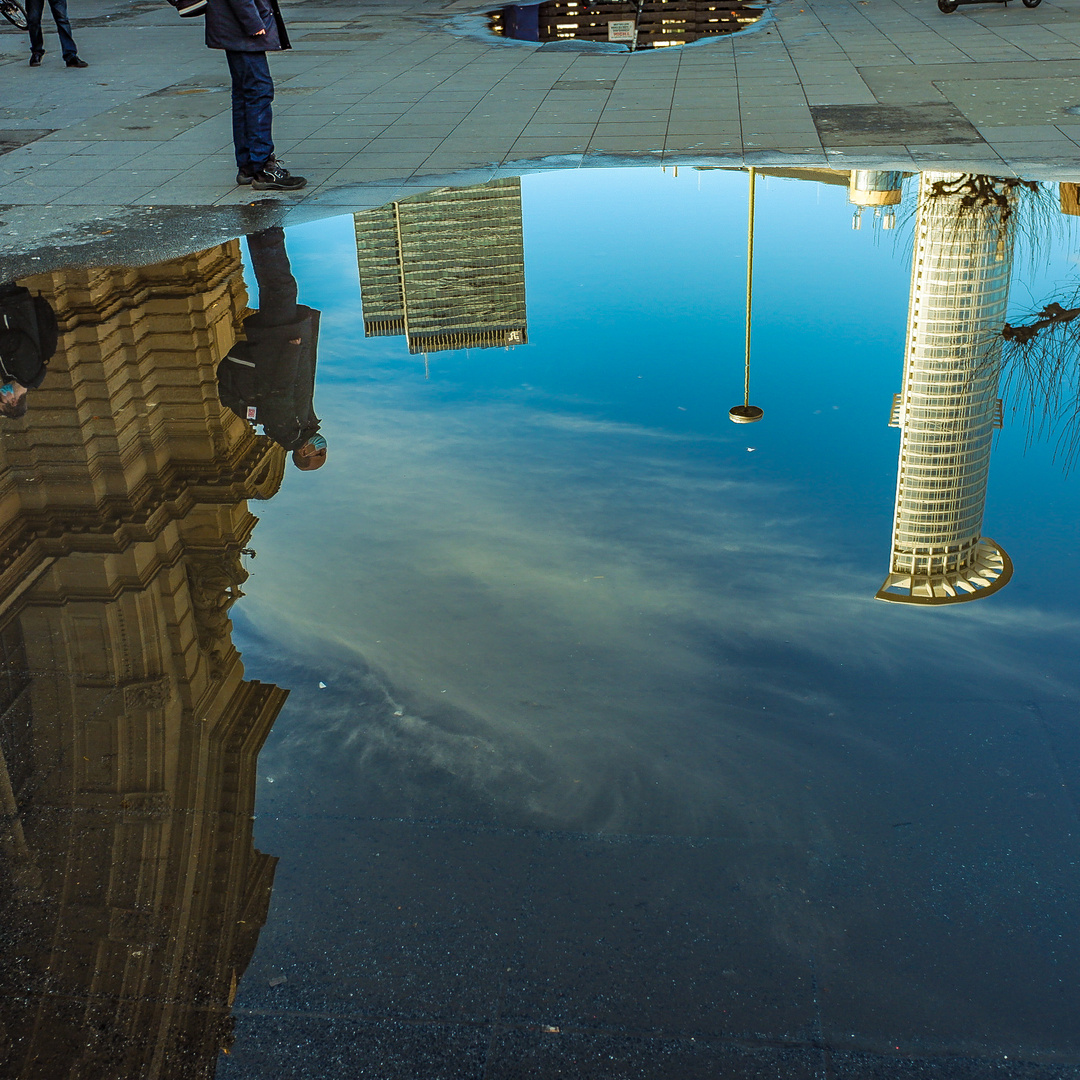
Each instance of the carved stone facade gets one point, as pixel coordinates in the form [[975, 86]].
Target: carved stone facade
[[126, 432], [131, 896]]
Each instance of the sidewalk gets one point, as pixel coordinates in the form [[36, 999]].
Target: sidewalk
[[379, 98]]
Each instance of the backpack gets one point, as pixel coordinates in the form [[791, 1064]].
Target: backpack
[[29, 334]]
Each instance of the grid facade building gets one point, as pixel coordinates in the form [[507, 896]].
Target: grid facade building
[[445, 269], [948, 408]]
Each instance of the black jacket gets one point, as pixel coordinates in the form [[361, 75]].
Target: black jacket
[[274, 378], [233, 24], [22, 353]]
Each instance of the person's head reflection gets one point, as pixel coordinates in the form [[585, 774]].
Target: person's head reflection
[[13, 400], [28, 337], [268, 378], [310, 456]]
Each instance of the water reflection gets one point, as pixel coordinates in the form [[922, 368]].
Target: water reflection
[[877, 189], [132, 896], [640, 24], [599, 750], [268, 377], [949, 408], [446, 270], [1041, 346]]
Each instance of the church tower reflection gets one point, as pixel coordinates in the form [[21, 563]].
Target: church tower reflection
[[948, 408], [445, 269], [128, 733]]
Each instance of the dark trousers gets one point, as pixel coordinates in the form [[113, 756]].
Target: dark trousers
[[252, 112], [34, 9], [277, 286]]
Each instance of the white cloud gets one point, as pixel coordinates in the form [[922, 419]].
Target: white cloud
[[584, 599]]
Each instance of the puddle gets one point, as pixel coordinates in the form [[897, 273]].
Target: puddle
[[650, 24], [542, 708]]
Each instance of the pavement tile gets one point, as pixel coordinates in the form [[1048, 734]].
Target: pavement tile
[[362, 174], [702, 145], [402, 129], [648, 130], [627, 145], [543, 130], [319, 144], [529, 148], [718, 117], [679, 129], [870, 153]]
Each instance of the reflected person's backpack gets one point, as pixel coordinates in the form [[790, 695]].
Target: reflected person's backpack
[[189, 8], [28, 331]]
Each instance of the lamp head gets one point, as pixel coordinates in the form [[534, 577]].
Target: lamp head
[[745, 414]]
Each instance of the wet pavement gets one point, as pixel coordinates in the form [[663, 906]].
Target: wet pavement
[[390, 98], [555, 725]]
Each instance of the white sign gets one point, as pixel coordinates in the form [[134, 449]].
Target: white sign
[[620, 30]]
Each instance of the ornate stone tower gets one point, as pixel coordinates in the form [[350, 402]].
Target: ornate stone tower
[[949, 407], [128, 735]]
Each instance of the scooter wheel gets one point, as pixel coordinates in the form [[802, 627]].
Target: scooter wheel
[[1032, 3], [948, 6]]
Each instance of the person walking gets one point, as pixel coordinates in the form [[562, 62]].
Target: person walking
[[247, 30], [34, 11]]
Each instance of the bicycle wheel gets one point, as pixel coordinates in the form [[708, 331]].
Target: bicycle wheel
[[13, 12]]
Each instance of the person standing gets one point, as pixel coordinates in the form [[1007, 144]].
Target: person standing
[[247, 30], [34, 11], [268, 378]]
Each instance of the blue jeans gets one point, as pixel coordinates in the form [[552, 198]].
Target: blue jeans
[[252, 112], [34, 9]]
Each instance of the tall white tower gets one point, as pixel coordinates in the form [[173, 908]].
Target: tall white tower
[[949, 407]]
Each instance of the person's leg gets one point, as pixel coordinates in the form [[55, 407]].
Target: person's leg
[[238, 71], [277, 286], [268, 172], [260, 115], [63, 29], [34, 8]]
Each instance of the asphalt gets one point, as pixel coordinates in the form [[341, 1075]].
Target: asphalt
[[130, 158]]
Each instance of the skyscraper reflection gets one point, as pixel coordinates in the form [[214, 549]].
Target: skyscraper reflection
[[445, 269], [658, 23], [948, 408], [134, 896]]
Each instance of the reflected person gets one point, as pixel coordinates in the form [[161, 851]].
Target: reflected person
[[28, 339], [269, 378]]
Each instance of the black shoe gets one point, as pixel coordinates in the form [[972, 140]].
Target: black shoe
[[275, 177], [244, 174], [35, 59], [76, 62]]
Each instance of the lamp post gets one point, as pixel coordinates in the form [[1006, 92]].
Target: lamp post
[[747, 413]]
